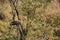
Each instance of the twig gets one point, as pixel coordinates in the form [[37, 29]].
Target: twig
[[15, 13]]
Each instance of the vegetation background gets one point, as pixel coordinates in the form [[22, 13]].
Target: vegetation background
[[40, 19]]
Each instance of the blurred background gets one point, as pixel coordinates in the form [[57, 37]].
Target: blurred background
[[39, 18]]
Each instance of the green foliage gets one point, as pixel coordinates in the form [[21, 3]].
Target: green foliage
[[7, 32], [48, 0]]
